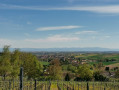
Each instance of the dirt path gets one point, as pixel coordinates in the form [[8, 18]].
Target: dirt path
[[53, 86]]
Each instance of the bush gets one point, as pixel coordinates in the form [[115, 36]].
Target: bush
[[107, 69], [99, 77], [117, 74]]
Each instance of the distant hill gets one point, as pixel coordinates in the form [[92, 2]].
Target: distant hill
[[64, 49]]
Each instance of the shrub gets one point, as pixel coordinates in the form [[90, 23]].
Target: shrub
[[107, 69], [99, 77]]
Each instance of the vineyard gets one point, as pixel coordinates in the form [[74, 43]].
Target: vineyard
[[58, 85], [27, 85]]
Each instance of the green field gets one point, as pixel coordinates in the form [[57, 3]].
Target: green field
[[99, 56], [44, 63]]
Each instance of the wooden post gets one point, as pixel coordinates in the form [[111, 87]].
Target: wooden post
[[93, 86], [35, 85], [78, 86], [67, 87], [104, 88], [45, 86], [63, 86], [9, 85], [114, 87], [13, 84], [81, 85], [21, 78], [87, 86], [73, 86]]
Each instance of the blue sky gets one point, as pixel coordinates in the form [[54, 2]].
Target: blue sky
[[59, 23]]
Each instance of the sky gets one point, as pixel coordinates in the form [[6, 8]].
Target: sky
[[59, 23]]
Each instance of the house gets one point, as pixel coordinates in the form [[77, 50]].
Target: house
[[83, 61]]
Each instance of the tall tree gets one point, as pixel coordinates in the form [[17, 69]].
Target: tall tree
[[55, 70], [31, 65], [5, 62], [15, 63]]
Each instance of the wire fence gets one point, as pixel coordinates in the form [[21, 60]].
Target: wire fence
[[22, 84], [61, 85], [88, 85]]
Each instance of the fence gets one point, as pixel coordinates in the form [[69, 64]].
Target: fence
[[61, 85], [27, 85], [88, 85]]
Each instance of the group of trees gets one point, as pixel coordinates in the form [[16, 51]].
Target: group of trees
[[84, 72], [10, 63]]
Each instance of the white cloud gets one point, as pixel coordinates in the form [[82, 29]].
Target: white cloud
[[57, 28], [97, 9], [5, 42], [55, 38], [86, 32]]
